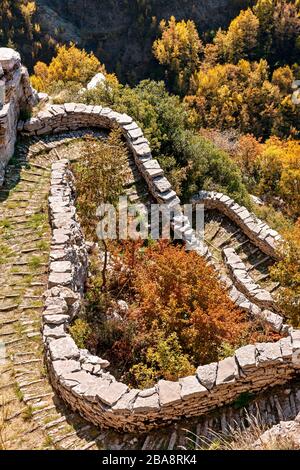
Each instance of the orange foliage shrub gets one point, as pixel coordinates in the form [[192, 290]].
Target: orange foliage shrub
[[179, 315]]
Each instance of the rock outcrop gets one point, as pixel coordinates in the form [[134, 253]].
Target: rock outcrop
[[16, 95]]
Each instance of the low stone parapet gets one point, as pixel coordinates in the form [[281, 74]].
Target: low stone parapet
[[16, 95], [84, 381], [261, 235]]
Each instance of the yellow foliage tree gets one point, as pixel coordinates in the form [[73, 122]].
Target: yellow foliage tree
[[70, 65], [279, 168], [179, 49], [240, 41], [287, 272]]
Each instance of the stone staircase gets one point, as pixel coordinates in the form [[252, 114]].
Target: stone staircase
[[36, 417], [221, 233]]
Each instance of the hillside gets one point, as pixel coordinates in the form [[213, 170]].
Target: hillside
[[121, 33]]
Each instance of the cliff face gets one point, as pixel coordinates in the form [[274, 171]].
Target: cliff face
[[121, 32]]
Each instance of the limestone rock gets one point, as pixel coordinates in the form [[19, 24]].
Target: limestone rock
[[191, 388], [64, 348], [207, 375], [169, 393]]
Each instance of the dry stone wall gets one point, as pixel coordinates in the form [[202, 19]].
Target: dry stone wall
[[83, 380], [244, 282], [72, 116], [258, 231], [16, 94]]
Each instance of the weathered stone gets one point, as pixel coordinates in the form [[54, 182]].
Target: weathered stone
[[55, 303], [227, 371], [146, 404], [191, 388], [246, 357], [62, 368], [125, 403], [269, 353], [286, 348], [207, 375], [60, 279], [112, 393], [169, 393], [54, 331], [274, 320], [56, 319], [296, 348], [64, 348], [61, 267]]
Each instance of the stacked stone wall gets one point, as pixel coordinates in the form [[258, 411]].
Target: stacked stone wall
[[16, 95], [83, 380]]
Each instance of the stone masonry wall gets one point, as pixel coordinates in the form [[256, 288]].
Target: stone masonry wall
[[258, 231], [16, 94], [83, 380]]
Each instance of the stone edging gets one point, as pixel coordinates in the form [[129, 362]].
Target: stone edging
[[16, 94], [82, 380], [258, 231], [72, 116], [244, 282]]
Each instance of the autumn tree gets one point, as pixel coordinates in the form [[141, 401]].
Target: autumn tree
[[245, 97], [69, 65], [279, 173], [279, 30], [179, 49], [100, 176], [240, 40], [287, 272]]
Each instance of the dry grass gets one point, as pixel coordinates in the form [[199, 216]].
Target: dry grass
[[245, 437]]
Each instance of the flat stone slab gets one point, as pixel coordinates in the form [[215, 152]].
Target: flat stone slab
[[246, 357], [64, 348], [125, 403], [207, 375], [114, 392], [191, 388], [61, 267], [169, 393], [227, 371], [269, 353], [146, 404], [62, 368], [60, 279]]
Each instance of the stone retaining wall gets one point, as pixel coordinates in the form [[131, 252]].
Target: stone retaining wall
[[258, 231], [244, 282], [16, 94], [83, 380]]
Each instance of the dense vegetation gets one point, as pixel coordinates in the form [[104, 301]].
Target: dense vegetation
[[162, 314], [20, 29]]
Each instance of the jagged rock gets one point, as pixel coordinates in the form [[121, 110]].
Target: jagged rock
[[207, 375], [169, 393], [63, 348]]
